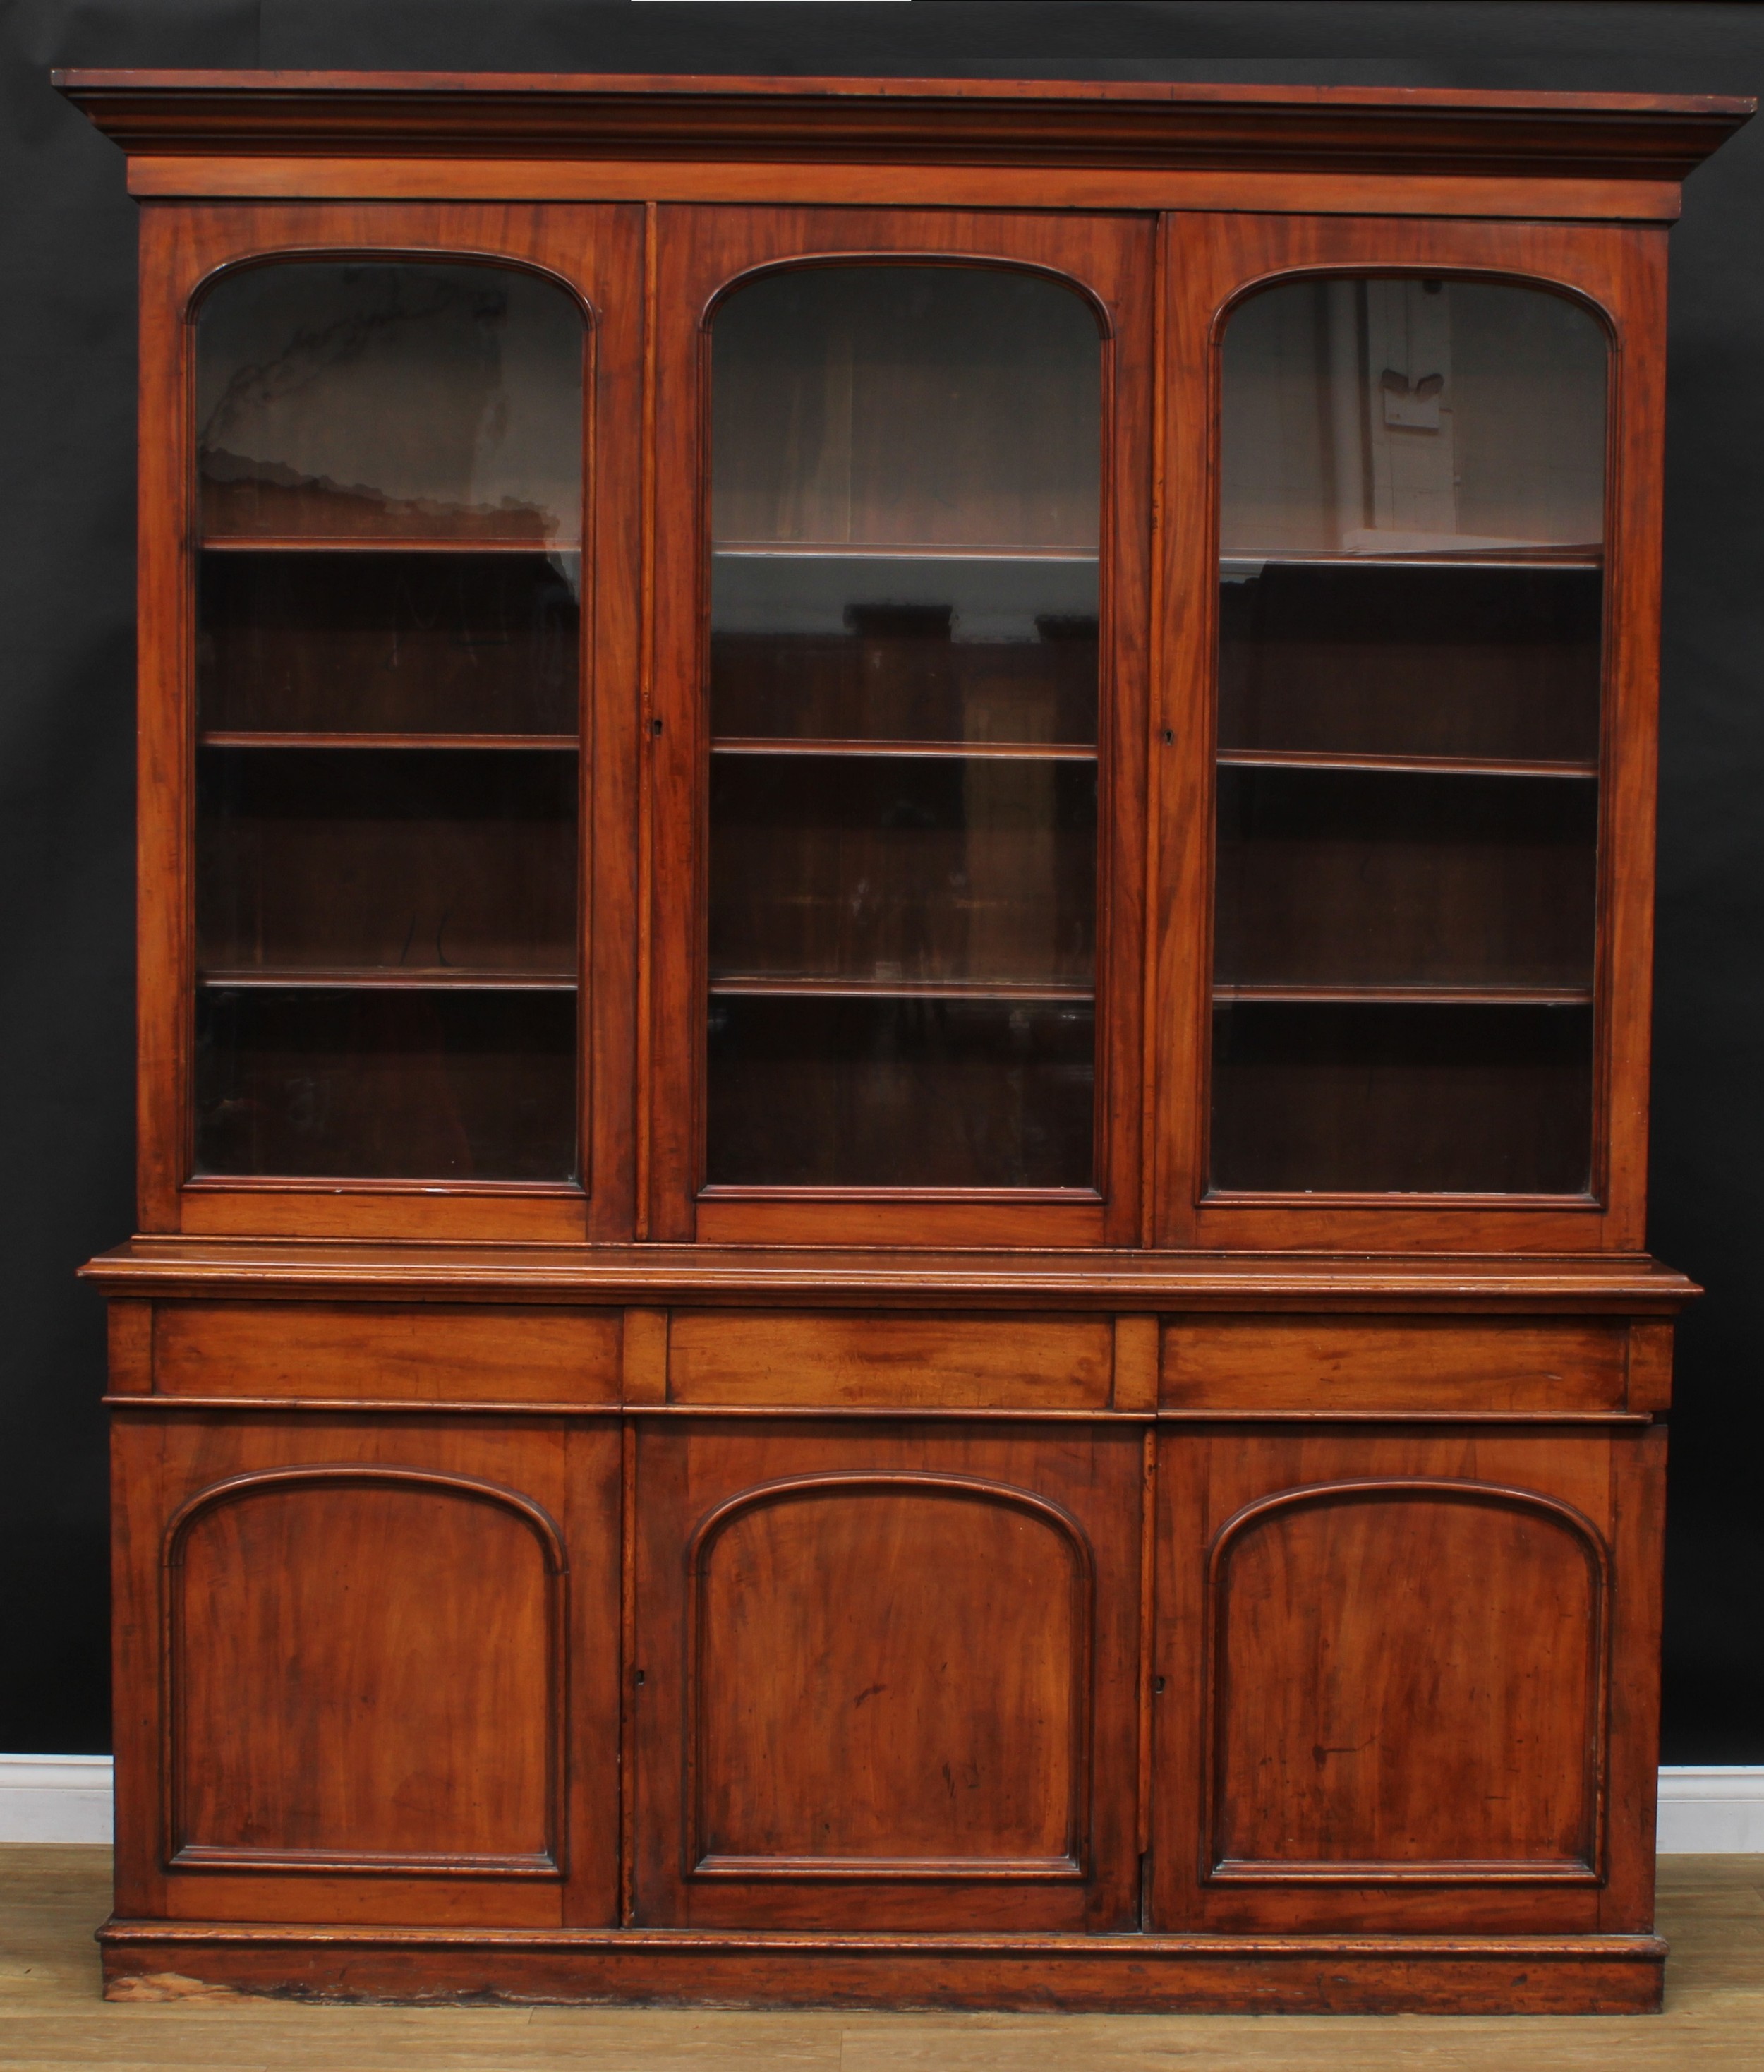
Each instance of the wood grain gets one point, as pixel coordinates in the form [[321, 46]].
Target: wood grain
[[449, 1353], [396, 1638], [1543, 1843], [992, 1362], [302, 1594], [1316, 1367], [871, 1724]]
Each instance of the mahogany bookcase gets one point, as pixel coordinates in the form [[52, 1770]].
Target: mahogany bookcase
[[896, 847]]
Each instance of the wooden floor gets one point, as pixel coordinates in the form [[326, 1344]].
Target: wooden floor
[[51, 2015]]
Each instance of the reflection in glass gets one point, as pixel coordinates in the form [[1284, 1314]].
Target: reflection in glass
[[1411, 528], [389, 643], [385, 1084], [402, 398], [389, 635], [903, 697]]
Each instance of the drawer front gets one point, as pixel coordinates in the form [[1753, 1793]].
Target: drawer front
[[439, 1353], [836, 1360], [1371, 1365]]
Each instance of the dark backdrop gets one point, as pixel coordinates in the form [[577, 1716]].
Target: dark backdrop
[[66, 284]]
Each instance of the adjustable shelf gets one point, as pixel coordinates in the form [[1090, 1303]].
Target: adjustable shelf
[[549, 744], [961, 751], [376, 543], [403, 979], [838, 550], [1420, 994], [1242, 566], [1025, 992], [1418, 766]]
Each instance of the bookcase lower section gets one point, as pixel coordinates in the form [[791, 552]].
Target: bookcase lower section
[[855, 1656], [1110, 1974]]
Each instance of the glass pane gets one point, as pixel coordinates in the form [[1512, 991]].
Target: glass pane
[[392, 643], [396, 399], [925, 1091], [1410, 601], [904, 695], [382, 1084], [441, 864], [389, 629]]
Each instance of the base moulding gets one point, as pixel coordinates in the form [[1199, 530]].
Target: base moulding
[[1124, 1974]]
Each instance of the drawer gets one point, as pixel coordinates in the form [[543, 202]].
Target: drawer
[[842, 1360], [1362, 1365], [434, 1353]]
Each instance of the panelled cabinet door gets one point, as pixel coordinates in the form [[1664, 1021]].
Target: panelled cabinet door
[[901, 599], [885, 1677], [1407, 1680], [372, 1665]]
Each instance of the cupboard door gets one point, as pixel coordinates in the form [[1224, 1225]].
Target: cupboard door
[[899, 686], [886, 1676], [1407, 1679], [368, 1670]]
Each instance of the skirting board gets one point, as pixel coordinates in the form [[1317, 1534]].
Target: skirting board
[[1706, 1809]]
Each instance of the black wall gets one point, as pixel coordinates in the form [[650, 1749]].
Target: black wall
[[66, 284]]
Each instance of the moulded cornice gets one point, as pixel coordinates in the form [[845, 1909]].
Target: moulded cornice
[[1004, 122]]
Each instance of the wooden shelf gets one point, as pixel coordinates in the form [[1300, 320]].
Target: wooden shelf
[[556, 744], [1450, 766], [999, 751], [1419, 995], [403, 979], [1516, 558], [860, 988], [256, 543], [836, 550]]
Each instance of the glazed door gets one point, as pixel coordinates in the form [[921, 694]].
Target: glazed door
[[1406, 818], [896, 728], [390, 556], [886, 1675]]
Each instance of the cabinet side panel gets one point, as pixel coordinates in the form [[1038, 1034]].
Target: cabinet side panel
[[136, 1500], [1639, 1540]]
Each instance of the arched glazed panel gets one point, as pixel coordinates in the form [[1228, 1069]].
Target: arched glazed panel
[[905, 519], [1411, 597], [390, 466]]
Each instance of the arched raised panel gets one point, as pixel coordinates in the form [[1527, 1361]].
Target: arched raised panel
[[364, 1672], [1406, 1680], [889, 1676]]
